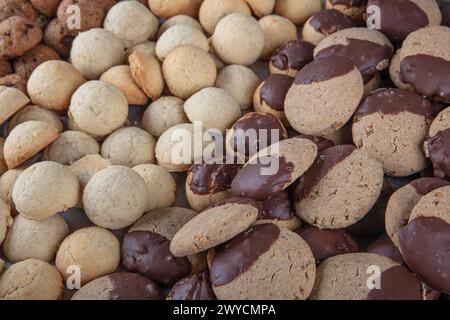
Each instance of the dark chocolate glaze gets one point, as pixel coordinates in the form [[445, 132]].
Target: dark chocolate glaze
[[385, 247], [195, 287], [324, 69], [425, 244], [349, 3], [239, 254], [253, 183], [394, 101], [148, 254], [439, 151], [426, 185], [330, 21], [428, 75], [327, 243], [399, 18], [325, 161], [133, 286], [277, 207], [445, 10], [205, 179], [397, 283], [294, 54], [257, 121], [320, 142], [274, 90], [365, 55]]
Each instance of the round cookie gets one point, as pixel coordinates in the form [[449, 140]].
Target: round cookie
[[26, 140], [239, 81], [47, 7], [394, 72], [212, 11], [31, 279], [324, 23], [33, 112], [274, 168], [37, 239], [261, 8], [5, 68], [181, 19], [298, 11], [98, 108], [52, 84], [120, 286], [17, 36], [52, 183], [21, 8], [215, 108], [11, 101], [270, 96], [70, 147], [369, 50], [187, 70], [160, 185], [7, 181], [25, 64], [351, 8], [85, 168], [147, 73], [385, 247], [195, 287], [324, 96], [129, 147], [147, 48], [425, 64], [5, 219], [339, 189], [240, 268], [162, 114], [132, 22], [95, 51], [90, 15], [392, 124], [238, 39], [14, 81], [277, 30], [95, 251], [166, 9], [59, 37], [437, 145]]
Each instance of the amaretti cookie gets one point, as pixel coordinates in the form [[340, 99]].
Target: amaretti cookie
[[425, 64], [85, 168], [298, 11], [31, 279], [324, 23], [277, 30], [95, 251], [240, 268], [212, 11], [385, 247], [22, 8], [180, 19], [147, 73], [11, 101], [351, 8], [195, 287], [324, 96], [438, 144], [115, 197], [25, 64], [274, 168], [5, 219], [120, 286], [392, 124], [261, 8], [165, 10], [340, 187]]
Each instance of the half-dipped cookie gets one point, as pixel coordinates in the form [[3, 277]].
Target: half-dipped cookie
[[385, 247], [324, 23], [351, 8], [195, 287], [437, 146], [291, 57]]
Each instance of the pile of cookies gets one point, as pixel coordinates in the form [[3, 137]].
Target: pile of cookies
[[225, 149]]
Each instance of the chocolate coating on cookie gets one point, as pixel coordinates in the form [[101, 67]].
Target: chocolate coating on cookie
[[324, 69], [385, 247], [277, 206], [445, 10], [330, 21], [294, 54], [351, 3], [273, 91], [439, 150], [206, 179], [424, 186], [195, 287], [148, 254], [132, 286], [321, 143]]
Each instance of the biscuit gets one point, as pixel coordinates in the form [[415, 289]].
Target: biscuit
[[212, 11], [277, 30], [7, 181], [438, 143], [25, 64], [291, 57], [298, 11], [324, 23], [354, 9], [261, 8], [33, 112], [11, 101], [166, 9], [385, 247], [394, 72], [181, 19], [147, 73]]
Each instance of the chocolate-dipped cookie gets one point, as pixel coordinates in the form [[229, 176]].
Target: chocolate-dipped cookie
[[195, 287], [339, 189], [445, 10], [265, 262], [323, 24], [324, 96], [437, 145], [321, 143], [291, 57], [351, 8], [394, 72], [385, 247]]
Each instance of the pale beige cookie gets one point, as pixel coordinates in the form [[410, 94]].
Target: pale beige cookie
[[33, 112], [37, 239], [95, 51], [215, 108], [5, 219], [277, 30], [166, 9], [261, 8], [162, 114], [115, 197], [11, 101], [121, 78], [440, 123], [181, 19], [298, 11], [212, 11], [238, 39], [147, 47], [95, 251], [31, 279], [85, 168], [433, 204], [132, 22], [7, 181], [98, 108], [25, 65], [26, 140], [70, 147], [394, 72], [129, 147], [45, 189], [147, 73]]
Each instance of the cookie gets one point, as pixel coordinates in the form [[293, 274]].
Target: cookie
[[195, 287], [165, 10], [95, 251], [240, 268], [25, 64], [238, 39], [38, 239], [297, 11], [385, 247], [7, 181], [11, 101], [445, 10], [327, 243], [277, 30], [351, 8], [187, 70], [394, 72], [5, 219], [321, 143], [324, 23], [424, 64], [261, 8], [438, 143], [92, 14], [323, 96], [14, 81], [31, 279], [33, 112], [59, 37], [339, 189], [212, 11], [17, 36], [275, 168], [120, 286], [181, 19], [47, 7], [115, 197], [392, 124], [21, 8], [147, 48], [146, 72]]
